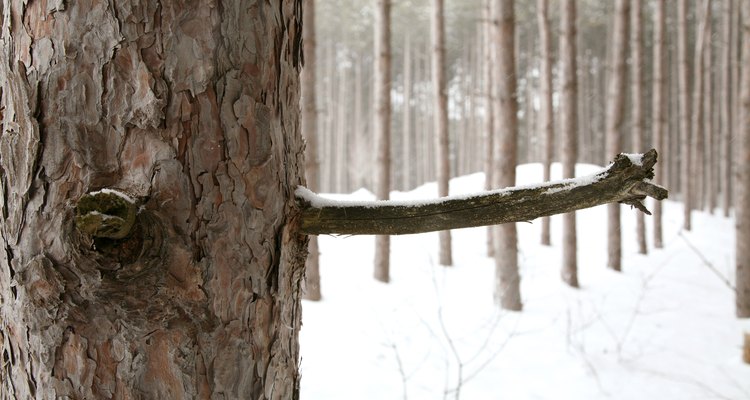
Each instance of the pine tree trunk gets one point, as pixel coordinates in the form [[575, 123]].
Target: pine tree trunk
[[441, 118], [710, 177], [489, 111], [686, 136], [407, 133], [507, 278], [383, 127], [742, 207], [569, 133], [698, 144], [659, 111], [545, 95], [615, 119], [192, 111], [309, 124], [636, 93], [727, 115]]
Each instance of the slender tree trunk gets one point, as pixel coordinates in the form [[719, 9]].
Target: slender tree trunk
[[726, 103], [569, 131], [489, 111], [507, 281], [407, 133], [441, 118], [545, 95], [199, 296], [710, 178], [659, 111], [309, 124], [382, 126], [615, 119], [697, 167], [636, 93], [686, 136], [340, 167], [742, 207]]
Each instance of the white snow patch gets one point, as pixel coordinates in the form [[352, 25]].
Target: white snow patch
[[635, 158], [618, 337], [117, 193]]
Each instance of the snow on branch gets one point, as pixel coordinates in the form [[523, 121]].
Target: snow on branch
[[626, 180]]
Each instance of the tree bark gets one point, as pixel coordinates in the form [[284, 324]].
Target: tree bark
[[569, 131], [727, 115], [615, 119], [698, 151], [545, 94], [309, 124], [659, 113], [383, 127], [624, 181], [193, 112], [441, 118], [742, 207], [489, 110], [636, 93], [686, 137], [408, 152], [507, 279]]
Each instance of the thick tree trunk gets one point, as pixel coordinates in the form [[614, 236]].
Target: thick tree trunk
[[615, 119], [382, 126], [191, 110], [659, 113], [507, 278], [545, 94], [636, 93], [309, 124], [742, 207], [441, 118], [569, 131]]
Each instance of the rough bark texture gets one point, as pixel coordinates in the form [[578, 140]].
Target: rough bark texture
[[507, 279], [622, 181], [382, 127], [569, 132], [742, 207], [636, 93], [192, 110], [615, 119], [440, 94], [545, 93], [659, 113], [309, 125]]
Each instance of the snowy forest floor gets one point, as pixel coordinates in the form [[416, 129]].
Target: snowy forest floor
[[662, 329]]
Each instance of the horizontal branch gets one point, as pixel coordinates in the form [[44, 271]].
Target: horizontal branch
[[626, 180]]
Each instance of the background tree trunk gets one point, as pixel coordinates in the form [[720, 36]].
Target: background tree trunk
[[507, 281], [441, 118], [489, 110], [742, 207], [685, 131], [569, 131], [309, 124], [382, 126], [659, 113], [727, 102], [615, 119], [170, 104], [545, 94], [636, 94]]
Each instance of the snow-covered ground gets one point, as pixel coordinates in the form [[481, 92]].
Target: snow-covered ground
[[662, 329]]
